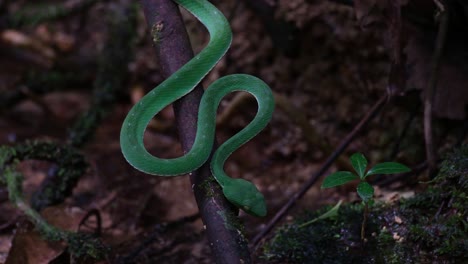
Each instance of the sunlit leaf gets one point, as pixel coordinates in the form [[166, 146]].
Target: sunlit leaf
[[338, 178], [388, 168], [359, 163], [365, 191]]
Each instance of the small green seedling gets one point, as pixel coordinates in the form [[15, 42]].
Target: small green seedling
[[364, 189]]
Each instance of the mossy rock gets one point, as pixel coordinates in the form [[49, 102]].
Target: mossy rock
[[430, 227]]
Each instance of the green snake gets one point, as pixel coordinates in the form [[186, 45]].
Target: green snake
[[243, 194]]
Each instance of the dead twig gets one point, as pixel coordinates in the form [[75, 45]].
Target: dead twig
[[431, 89], [406, 126], [85, 219]]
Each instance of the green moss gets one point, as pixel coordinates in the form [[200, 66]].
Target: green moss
[[80, 245], [13, 180], [431, 227], [6, 156], [231, 221], [207, 186], [70, 163], [85, 245], [437, 218], [326, 241]]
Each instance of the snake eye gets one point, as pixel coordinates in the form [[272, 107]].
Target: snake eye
[[246, 208]]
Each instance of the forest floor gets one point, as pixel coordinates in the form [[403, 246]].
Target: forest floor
[[338, 72]]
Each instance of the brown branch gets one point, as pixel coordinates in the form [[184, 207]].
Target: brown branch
[[173, 50], [431, 90], [314, 177]]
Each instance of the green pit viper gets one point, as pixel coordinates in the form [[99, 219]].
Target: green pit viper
[[239, 192]]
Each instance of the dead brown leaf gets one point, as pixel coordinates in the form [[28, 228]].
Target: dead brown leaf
[[29, 247]]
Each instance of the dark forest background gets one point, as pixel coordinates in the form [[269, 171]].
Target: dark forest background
[[384, 78]]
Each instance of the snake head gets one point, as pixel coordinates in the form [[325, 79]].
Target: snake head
[[246, 196]]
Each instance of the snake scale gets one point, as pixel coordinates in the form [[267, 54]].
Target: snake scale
[[239, 192]]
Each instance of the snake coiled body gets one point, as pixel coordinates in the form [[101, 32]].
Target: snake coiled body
[[240, 192]]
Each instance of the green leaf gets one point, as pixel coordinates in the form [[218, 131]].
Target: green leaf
[[365, 191], [338, 178], [388, 168], [330, 213], [359, 163]]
